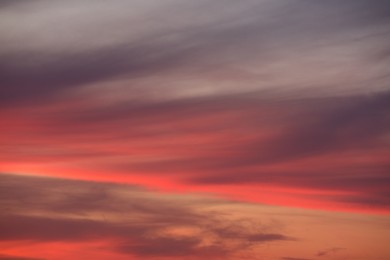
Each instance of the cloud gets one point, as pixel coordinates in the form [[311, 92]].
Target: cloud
[[318, 135], [9, 257], [17, 227], [268, 237], [277, 102], [179, 247], [144, 223], [330, 251], [47, 74], [8, 3], [378, 198], [150, 40], [293, 258], [199, 93], [293, 143]]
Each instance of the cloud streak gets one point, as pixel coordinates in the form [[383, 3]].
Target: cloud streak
[[142, 113], [143, 223], [239, 38], [292, 143]]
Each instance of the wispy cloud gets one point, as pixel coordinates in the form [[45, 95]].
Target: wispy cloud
[[330, 251], [293, 258], [242, 42], [295, 143], [144, 223], [276, 102]]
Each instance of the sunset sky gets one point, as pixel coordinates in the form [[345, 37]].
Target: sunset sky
[[195, 129]]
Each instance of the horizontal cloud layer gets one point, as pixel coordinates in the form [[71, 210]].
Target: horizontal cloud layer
[[140, 223], [333, 148], [274, 102], [50, 49]]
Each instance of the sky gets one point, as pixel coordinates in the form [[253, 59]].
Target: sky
[[194, 129]]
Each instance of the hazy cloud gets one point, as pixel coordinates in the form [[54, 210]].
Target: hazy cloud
[[9, 257], [61, 49], [147, 224], [279, 102]]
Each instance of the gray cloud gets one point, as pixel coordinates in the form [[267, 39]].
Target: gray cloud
[[330, 251], [235, 37], [16, 227], [179, 247]]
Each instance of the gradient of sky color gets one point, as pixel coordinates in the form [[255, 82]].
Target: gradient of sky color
[[183, 129]]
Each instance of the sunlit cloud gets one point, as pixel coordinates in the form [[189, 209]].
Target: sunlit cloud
[[140, 116], [139, 222]]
